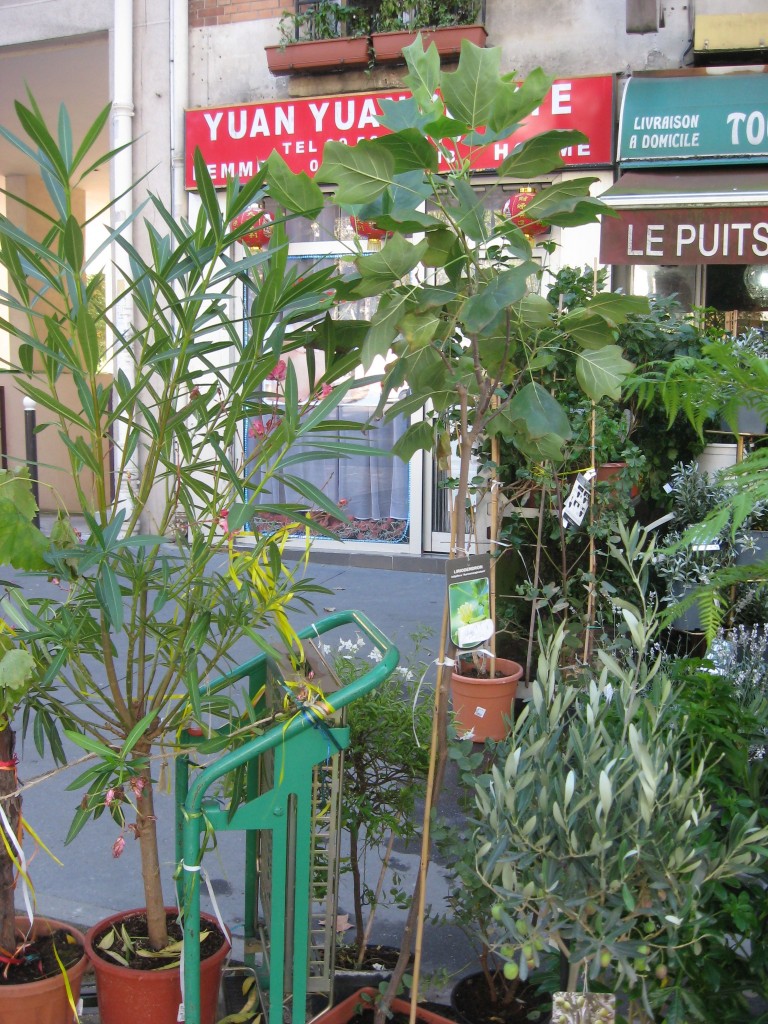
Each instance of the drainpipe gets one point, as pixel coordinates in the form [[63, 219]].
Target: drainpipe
[[121, 45], [179, 92]]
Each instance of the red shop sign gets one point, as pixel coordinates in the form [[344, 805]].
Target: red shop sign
[[719, 234], [235, 140]]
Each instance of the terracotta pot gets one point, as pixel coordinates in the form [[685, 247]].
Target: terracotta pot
[[318, 55], [483, 705], [44, 1001], [127, 996], [346, 1010], [388, 46], [608, 470]]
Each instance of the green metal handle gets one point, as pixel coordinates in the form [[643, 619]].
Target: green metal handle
[[273, 737]]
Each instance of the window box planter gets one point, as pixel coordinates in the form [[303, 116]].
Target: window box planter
[[318, 55], [388, 46]]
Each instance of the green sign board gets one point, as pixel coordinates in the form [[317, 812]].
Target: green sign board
[[694, 119]]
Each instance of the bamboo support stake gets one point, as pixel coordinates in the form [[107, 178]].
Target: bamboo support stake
[[436, 740]]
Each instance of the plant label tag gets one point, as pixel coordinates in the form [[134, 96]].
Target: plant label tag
[[479, 712], [181, 1016], [475, 633], [583, 1008], [577, 502], [469, 600]]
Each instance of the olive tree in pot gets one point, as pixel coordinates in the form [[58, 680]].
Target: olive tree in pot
[[154, 596], [594, 830], [466, 333]]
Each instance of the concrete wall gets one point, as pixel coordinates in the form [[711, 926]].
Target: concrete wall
[[30, 21]]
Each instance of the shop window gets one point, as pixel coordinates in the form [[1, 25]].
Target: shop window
[[373, 491], [666, 281], [737, 290]]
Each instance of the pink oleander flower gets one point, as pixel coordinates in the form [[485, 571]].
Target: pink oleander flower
[[111, 794], [325, 390], [137, 783], [118, 846], [256, 429], [278, 372]]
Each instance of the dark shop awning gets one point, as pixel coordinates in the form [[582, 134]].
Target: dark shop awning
[[704, 215]]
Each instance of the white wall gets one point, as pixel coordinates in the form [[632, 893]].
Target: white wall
[[227, 64]]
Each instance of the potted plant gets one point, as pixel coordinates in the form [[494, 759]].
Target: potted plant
[[464, 340], [385, 767], [442, 22], [326, 37], [692, 553], [595, 829], [483, 994], [43, 960], [153, 597]]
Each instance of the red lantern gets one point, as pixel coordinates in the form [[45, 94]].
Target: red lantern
[[514, 209], [257, 236], [367, 229]]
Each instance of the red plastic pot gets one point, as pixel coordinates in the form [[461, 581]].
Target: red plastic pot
[[44, 1001], [127, 996], [347, 1009]]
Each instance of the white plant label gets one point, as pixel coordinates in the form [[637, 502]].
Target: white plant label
[[479, 712]]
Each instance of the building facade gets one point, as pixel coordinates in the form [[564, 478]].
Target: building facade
[[672, 96]]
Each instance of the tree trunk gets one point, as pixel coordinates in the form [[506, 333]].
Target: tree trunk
[[12, 807], [357, 888], [150, 866]]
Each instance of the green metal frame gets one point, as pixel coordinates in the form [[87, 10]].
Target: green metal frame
[[297, 747]]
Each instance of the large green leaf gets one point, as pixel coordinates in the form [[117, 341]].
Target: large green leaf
[[617, 307], [590, 330], [361, 172], [397, 258], [17, 669], [423, 76], [22, 544], [540, 154], [499, 292], [541, 412], [400, 115], [469, 211], [601, 372], [385, 326], [514, 101], [418, 437], [563, 197], [470, 91], [410, 151], [296, 192]]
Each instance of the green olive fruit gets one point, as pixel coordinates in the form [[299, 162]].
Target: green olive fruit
[[496, 911], [605, 958], [522, 926], [511, 971], [661, 971]]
